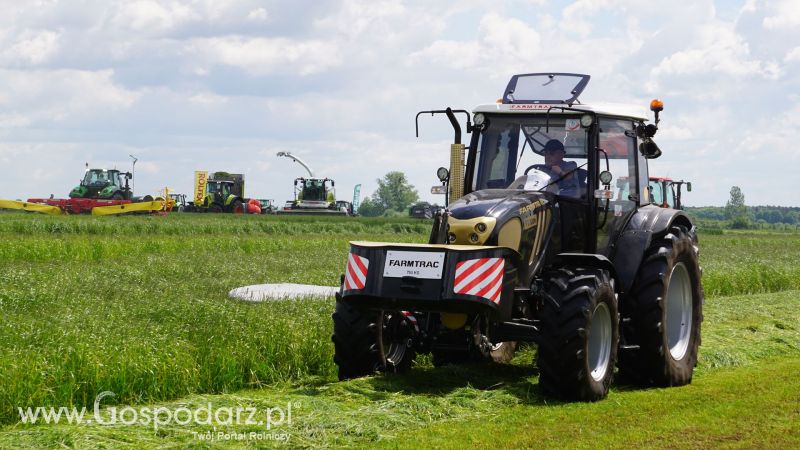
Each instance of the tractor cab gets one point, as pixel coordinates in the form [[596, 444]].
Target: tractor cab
[[666, 192], [219, 188], [104, 184], [540, 146], [314, 190], [218, 192]]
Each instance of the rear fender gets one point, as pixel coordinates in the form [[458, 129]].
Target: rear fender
[[586, 260], [645, 224]]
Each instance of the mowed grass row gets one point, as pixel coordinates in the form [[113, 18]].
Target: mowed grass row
[[145, 313]]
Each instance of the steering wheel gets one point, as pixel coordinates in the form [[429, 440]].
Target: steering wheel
[[541, 167]]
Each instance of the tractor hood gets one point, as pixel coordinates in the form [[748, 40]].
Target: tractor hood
[[498, 203], [503, 217], [78, 192]]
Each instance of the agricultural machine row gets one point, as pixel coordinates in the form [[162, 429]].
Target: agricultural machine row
[[551, 237], [107, 191]]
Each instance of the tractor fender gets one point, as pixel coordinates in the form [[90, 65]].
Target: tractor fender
[[647, 222], [586, 260]]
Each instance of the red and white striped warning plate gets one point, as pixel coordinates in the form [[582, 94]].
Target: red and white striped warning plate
[[482, 277], [356, 273]]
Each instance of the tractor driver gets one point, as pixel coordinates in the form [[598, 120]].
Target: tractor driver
[[557, 168]]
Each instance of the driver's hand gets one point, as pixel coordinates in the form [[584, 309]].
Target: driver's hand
[[556, 169]]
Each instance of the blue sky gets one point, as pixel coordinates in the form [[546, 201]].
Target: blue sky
[[224, 85]]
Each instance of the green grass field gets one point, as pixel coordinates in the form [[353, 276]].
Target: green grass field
[[138, 306]]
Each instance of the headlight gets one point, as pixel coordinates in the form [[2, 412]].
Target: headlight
[[479, 119], [586, 120]]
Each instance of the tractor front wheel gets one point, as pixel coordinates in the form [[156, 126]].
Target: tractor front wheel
[[580, 334], [366, 343], [215, 208]]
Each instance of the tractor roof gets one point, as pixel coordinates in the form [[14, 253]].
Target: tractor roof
[[543, 92], [611, 109]]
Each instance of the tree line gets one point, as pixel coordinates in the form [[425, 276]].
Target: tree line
[[737, 215]]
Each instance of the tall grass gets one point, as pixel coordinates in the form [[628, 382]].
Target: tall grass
[[750, 263], [139, 306]]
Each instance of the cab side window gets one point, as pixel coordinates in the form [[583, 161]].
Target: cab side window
[[618, 141]]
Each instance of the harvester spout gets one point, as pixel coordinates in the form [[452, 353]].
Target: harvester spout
[[298, 161]]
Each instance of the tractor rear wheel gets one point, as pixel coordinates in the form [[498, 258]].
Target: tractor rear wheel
[[237, 207], [666, 309], [366, 343], [117, 196], [580, 334]]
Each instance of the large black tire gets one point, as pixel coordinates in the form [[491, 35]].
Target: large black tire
[[117, 196], [579, 334], [356, 342], [215, 208], [237, 207], [666, 310]]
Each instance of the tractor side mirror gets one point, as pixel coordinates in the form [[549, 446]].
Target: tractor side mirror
[[689, 186], [295, 182], [649, 149], [333, 183]]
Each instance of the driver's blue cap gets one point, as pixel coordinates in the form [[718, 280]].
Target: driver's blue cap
[[553, 144]]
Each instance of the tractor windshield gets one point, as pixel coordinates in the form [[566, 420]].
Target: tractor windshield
[[314, 189], [95, 177], [551, 152]]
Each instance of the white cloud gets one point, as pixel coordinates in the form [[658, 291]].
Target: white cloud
[[258, 14], [786, 16], [56, 95], [717, 49], [208, 99], [31, 48], [501, 42], [357, 16], [792, 55], [152, 16], [264, 56]]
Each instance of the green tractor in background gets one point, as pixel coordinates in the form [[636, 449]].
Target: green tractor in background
[[224, 193], [103, 184]]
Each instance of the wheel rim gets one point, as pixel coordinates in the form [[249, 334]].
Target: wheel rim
[[393, 338], [600, 342], [679, 311]]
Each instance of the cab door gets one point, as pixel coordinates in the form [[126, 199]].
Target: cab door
[[617, 142]]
